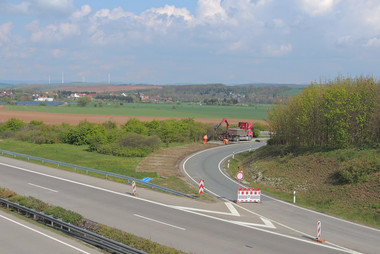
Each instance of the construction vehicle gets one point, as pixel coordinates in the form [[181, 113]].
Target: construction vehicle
[[243, 132]]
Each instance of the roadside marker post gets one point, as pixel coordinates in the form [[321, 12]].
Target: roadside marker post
[[319, 231], [228, 164], [294, 197], [201, 186], [134, 188]]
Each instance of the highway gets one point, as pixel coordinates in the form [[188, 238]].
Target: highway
[[182, 223], [20, 236]]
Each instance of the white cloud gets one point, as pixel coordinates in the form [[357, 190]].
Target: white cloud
[[5, 32], [278, 51], [373, 42], [210, 11], [52, 32], [318, 7], [83, 12]]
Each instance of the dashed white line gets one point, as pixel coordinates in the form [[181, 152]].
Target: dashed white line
[[35, 185], [167, 224]]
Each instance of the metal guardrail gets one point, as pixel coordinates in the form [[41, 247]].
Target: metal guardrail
[[107, 174], [74, 231]]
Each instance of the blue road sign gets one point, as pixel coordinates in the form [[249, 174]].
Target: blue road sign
[[146, 179]]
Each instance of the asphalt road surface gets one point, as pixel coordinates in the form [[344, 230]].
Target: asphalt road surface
[[210, 166], [19, 236], [182, 223]]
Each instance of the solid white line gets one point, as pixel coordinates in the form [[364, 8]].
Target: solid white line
[[150, 201], [289, 204], [42, 187], [43, 234], [336, 247], [167, 224]]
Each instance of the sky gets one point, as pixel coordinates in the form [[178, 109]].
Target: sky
[[188, 41]]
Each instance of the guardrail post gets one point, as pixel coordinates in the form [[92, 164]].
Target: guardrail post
[[75, 170], [107, 177], [43, 161], [86, 172], [57, 165], [28, 158]]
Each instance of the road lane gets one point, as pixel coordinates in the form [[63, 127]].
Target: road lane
[[205, 233], [19, 236], [207, 166]]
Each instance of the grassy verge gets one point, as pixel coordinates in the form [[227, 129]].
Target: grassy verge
[[78, 155], [78, 220], [344, 183]]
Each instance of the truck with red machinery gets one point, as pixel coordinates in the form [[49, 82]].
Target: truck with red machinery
[[244, 131]]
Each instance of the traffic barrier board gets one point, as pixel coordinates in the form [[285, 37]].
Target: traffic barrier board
[[248, 195]]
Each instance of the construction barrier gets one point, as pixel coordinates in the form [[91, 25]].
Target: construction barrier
[[201, 186], [248, 195], [134, 187]]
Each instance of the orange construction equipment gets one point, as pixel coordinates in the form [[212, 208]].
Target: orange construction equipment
[[205, 139]]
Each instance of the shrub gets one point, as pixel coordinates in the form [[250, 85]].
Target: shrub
[[359, 170], [14, 124]]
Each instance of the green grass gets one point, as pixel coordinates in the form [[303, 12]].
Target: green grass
[[77, 155], [184, 110]]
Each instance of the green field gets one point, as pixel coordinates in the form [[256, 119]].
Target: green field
[[77, 155], [256, 112]]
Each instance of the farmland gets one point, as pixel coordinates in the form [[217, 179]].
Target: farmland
[[204, 113]]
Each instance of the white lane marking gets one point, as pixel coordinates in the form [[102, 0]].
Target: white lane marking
[[166, 224], [264, 219], [43, 234], [161, 204], [233, 211], [289, 204], [35, 185]]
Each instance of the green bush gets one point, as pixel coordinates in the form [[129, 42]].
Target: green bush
[[359, 170], [14, 124]]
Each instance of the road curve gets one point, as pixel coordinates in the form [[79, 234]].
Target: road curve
[[289, 219]]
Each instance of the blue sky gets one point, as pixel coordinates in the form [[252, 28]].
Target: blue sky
[[189, 41]]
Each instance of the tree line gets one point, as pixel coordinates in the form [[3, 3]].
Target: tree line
[[339, 113]]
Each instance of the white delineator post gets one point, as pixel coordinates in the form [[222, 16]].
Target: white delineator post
[[228, 164], [294, 197], [134, 188], [201, 186]]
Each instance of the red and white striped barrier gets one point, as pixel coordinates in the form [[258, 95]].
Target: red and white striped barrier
[[134, 187], [201, 186], [319, 232], [248, 195]]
